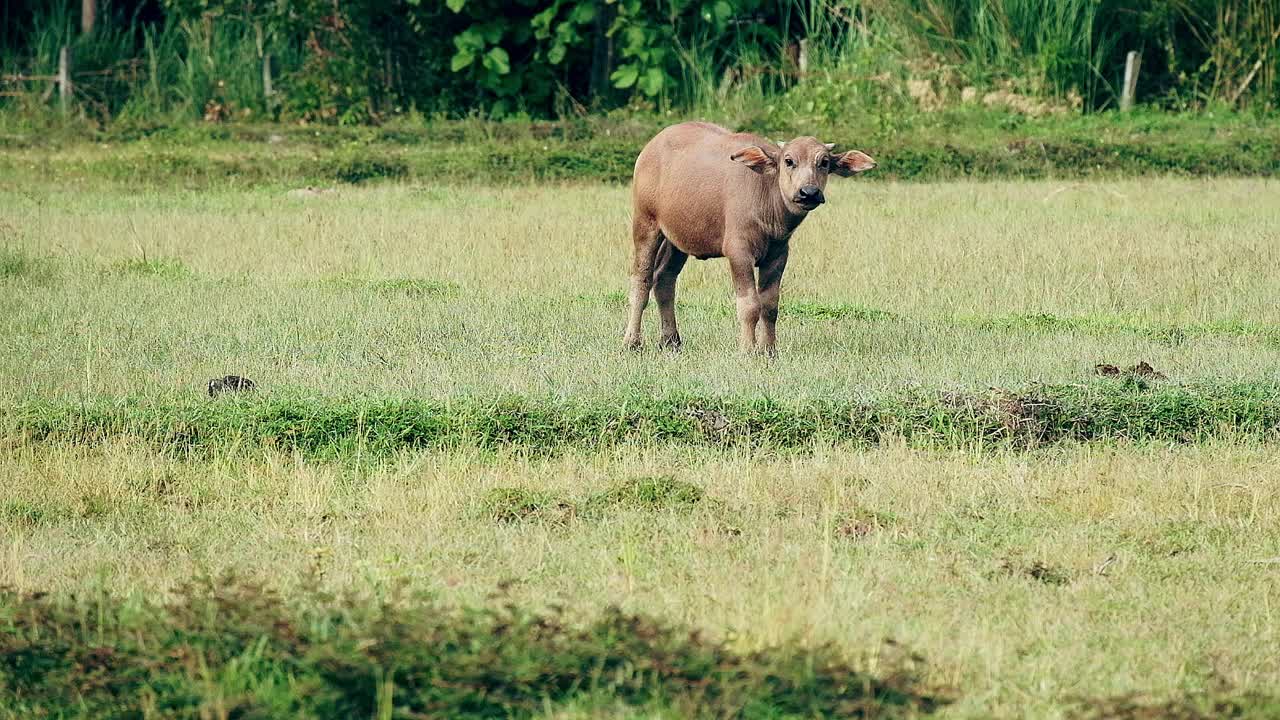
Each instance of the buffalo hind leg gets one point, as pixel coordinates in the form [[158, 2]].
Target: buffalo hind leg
[[645, 241], [670, 262]]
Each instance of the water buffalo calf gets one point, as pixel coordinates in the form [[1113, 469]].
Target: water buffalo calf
[[705, 191]]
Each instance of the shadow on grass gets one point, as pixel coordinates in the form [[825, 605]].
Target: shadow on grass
[[243, 650], [1221, 702]]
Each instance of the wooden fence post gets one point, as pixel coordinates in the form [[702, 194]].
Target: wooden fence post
[[88, 15], [802, 59], [64, 78], [1130, 89], [267, 89]]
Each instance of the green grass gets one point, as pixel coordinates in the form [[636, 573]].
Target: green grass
[[1129, 409], [956, 143], [430, 294], [443, 404]]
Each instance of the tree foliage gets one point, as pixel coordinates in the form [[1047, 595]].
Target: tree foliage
[[358, 61]]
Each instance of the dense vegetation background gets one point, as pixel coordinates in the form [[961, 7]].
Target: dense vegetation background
[[768, 62]]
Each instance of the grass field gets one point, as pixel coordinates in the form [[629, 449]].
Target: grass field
[[444, 404]]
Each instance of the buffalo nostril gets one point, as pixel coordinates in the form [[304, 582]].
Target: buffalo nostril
[[809, 193]]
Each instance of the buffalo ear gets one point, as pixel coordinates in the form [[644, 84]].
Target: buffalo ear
[[851, 163], [755, 158]]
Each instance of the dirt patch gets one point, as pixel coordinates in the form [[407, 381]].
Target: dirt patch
[[230, 384], [861, 523], [1025, 418], [714, 424], [1038, 570], [311, 192], [835, 311], [1142, 370]]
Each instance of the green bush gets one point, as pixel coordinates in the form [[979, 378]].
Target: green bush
[[368, 60]]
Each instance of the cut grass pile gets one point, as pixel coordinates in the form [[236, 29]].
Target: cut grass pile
[[1130, 408], [233, 649]]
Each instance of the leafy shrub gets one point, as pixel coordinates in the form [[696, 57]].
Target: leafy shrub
[[357, 167]]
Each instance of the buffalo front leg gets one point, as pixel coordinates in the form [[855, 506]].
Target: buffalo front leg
[[645, 240], [746, 299], [770, 291], [670, 262]]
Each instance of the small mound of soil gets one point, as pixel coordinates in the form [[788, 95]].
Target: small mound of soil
[[1142, 370], [230, 383]]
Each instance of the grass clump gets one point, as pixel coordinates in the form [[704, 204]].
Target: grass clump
[[406, 286], [241, 647], [22, 514], [648, 494], [509, 505], [17, 264], [166, 268], [642, 494], [861, 522]]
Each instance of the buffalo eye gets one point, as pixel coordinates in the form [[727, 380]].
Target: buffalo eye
[[790, 163]]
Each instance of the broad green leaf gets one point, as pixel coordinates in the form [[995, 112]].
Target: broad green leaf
[[584, 13], [723, 11], [462, 60], [556, 54], [497, 60], [625, 76], [652, 82], [566, 35], [454, 5], [542, 21], [492, 31], [469, 39], [636, 37]]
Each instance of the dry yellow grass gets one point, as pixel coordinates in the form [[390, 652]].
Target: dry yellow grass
[[1024, 579]]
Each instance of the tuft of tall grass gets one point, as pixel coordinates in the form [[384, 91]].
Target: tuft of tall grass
[[1240, 39]]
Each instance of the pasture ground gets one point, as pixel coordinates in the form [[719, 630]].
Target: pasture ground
[[1035, 574]]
